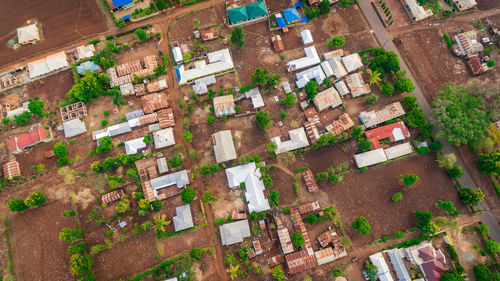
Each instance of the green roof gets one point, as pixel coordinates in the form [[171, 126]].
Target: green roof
[[248, 12], [237, 14]]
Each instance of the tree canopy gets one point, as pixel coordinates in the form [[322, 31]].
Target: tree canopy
[[298, 239], [263, 77], [36, 107], [490, 163], [188, 195], [470, 196], [238, 37], [89, 87], [80, 264], [461, 118], [105, 145], [311, 89], [361, 225], [263, 120]]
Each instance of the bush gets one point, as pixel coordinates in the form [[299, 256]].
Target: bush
[[449, 207], [105, 145], [286, 210], [448, 40], [387, 89], [336, 272], [336, 42], [482, 272], [188, 195], [471, 197], [196, 254], [364, 144], [17, 205], [396, 197], [435, 146], [491, 63], [254, 216], [176, 161], [274, 198], [278, 274], [238, 37], [68, 213], [410, 179], [312, 218], [357, 131], [229, 259], [78, 248], [141, 34], [361, 225], [80, 264], [97, 249], [493, 246], [371, 99], [263, 120], [157, 205], [36, 199], [298, 239], [455, 172]]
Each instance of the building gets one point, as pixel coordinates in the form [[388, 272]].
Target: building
[[112, 196], [335, 55], [48, 64], [392, 132], [428, 259], [310, 59], [389, 112], [157, 85], [283, 235], [11, 113], [85, 52], [328, 98], [327, 69], [73, 127], [291, 15], [201, 85], [166, 118], [300, 261], [341, 87], [127, 89], [277, 43], [306, 37], [37, 134], [183, 219], [112, 131], [329, 254], [224, 105], [396, 257], [166, 186], [129, 67], [223, 146], [298, 139], [312, 131], [338, 68], [369, 158], [357, 85], [249, 176], [314, 73], [87, 66], [398, 150], [120, 4], [177, 53], [475, 65], [72, 111], [256, 98], [384, 274], [311, 184], [209, 34], [467, 44], [134, 146], [417, 12], [28, 34], [164, 138], [114, 80], [352, 62], [11, 170], [463, 5], [251, 13], [154, 102], [234, 232], [219, 62]]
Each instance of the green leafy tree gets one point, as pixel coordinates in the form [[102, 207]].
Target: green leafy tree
[[336, 41], [471, 197], [188, 195], [364, 144], [435, 146], [425, 223], [491, 63], [238, 37], [372, 272], [36, 107], [89, 87], [70, 235], [160, 5], [263, 120], [78, 248], [210, 119], [451, 276], [455, 172], [23, 118], [404, 85], [278, 274], [461, 118], [196, 254], [387, 89], [336, 272], [87, 277], [229, 259], [271, 147], [490, 163], [274, 198], [143, 36], [361, 225], [60, 150], [493, 246], [17, 205], [176, 161], [97, 167], [371, 99], [254, 216], [410, 179], [397, 196], [449, 207], [157, 205], [298, 239], [208, 197], [357, 131], [6, 121], [311, 89], [289, 100], [482, 272], [188, 136], [80, 264], [147, 139], [105, 145], [36, 199]]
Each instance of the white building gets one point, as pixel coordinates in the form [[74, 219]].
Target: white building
[[352, 62], [306, 37], [47, 65], [369, 158], [250, 175], [310, 59], [314, 73], [298, 139], [223, 146], [218, 62], [384, 274], [416, 11], [164, 138], [134, 146], [234, 232], [28, 34]]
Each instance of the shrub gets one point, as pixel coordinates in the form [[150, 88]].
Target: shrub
[[80, 264], [371, 99], [298, 239], [196, 254], [188, 195], [491, 63], [364, 144], [274, 198], [68, 213], [97, 249], [387, 89], [70, 235], [286, 210], [78, 248], [36, 199], [312, 218], [396, 197], [141, 34], [263, 120], [157, 205], [17, 205], [410, 179], [435, 146], [229, 259], [278, 274], [176, 161], [210, 119], [455, 172], [448, 40], [449, 207], [361, 225], [238, 37], [493, 246], [471, 197], [482, 272], [254, 216], [336, 272], [357, 131]]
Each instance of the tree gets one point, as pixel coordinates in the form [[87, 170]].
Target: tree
[[80, 264], [271, 147], [298, 239], [188, 136], [446, 160], [482, 272], [461, 118], [336, 41], [208, 197], [70, 235], [157, 205], [372, 271], [160, 5], [188, 195], [22, 118], [36, 199], [471, 197], [289, 100], [375, 77], [97, 167], [311, 89], [147, 139], [493, 246], [17, 205], [176, 161], [451, 275], [87, 277], [491, 63], [436, 146], [449, 207], [36, 107], [490, 163], [260, 76], [361, 225], [404, 85], [159, 223], [336, 272], [233, 271], [324, 7], [274, 198], [210, 119], [229, 259], [60, 150], [278, 274], [89, 87], [455, 172], [410, 102], [238, 37], [263, 120], [105, 144], [364, 144], [283, 114], [410, 179], [357, 131], [397, 196], [196, 254], [425, 223], [371, 99], [78, 248], [387, 89], [143, 36]]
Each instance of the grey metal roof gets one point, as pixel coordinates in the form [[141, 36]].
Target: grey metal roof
[[398, 264], [119, 129], [183, 219], [179, 178], [235, 232], [73, 128], [134, 114], [224, 146], [162, 165]]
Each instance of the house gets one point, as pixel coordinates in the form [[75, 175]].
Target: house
[[286, 87], [352, 62], [209, 34], [166, 118], [314, 73], [162, 164], [298, 139], [329, 254], [234, 232], [150, 62], [357, 85], [157, 85], [283, 235], [114, 80], [88, 65], [154, 102], [277, 43], [48, 64], [312, 131], [163, 138], [391, 132], [300, 261], [127, 89], [224, 105], [428, 259], [223, 146], [129, 67], [369, 158], [291, 15], [467, 44], [396, 257], [183, 219], [476, 66], [417, 12], [463, 5], [251, 13], [112, 131], [119, 4], [335, 55], [28, 34], [310, 181], [306, 37], [328, 98], [257, 247], [327, 69], [176, 51], [139, 89], [177, 180], [112, 196], [389, 112], [310, 59], [134, 146], [73, 127], [341, 87], [85, 52], [218, 62], [398, 150], [72, 111], [250, 175], [384, 274], [338, 68], [11, 169], [201, 85], [12, 113], [298, 225], [312, 115], [37, 134], [256, 98], [4, 109], [238, 214]]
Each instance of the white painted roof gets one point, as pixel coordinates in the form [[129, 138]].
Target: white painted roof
[[352, 62], [383, 270], [250, 175], [235, 232], [306, 37], [310, 59], [219, 61], [224, 146], [298, 139], [164, 138], [398, 150], [133, 146], [369, 158], [27, 33], [48, 64]]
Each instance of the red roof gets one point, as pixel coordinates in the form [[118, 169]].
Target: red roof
[[29, 139], [426, 253], [387, 131], [311, 184], [11, 170], [300, 261], [433, 270]]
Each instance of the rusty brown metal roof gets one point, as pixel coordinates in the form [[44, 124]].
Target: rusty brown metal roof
[[311, 184], [300, 261]]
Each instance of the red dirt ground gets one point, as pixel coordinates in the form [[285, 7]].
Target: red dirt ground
[[62, 22]]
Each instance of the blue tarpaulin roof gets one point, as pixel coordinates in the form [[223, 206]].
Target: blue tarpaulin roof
[[304, 19], [281, 22], [291, 15], [298, 4], [121, 3], [126, 17]]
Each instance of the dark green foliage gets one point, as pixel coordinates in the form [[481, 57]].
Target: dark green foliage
[[482, 272], [176, 161], [449, 207], [229, 259], [371, 99], [263, 120], [435, 146], [289, 100], [160, 5], [387, 89], [23, 118], [311, 89], [490, 163], [36, 107], [188, 195], [157, 205], [404, 85], [471, 197], [196, 254], [141, 34], [336, 42], [68, 213], [274, 198], [410, 179], [78, 248], [364, 144], [493, 246], [80, 264], [254, 216], [70, 235], [455, 172], [238, 37], [89, 87], [105, 145], [423, 150], [357, 131], [448, 40], [17, 205], [425, 221], [361, 225], [298, 239]]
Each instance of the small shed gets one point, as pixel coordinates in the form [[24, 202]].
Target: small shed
[[11, 169], [307, 37], [112, 196], [277, 43]]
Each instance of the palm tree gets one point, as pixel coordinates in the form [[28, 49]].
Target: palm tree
[[160, 222], [375, 77], [233, 271]]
